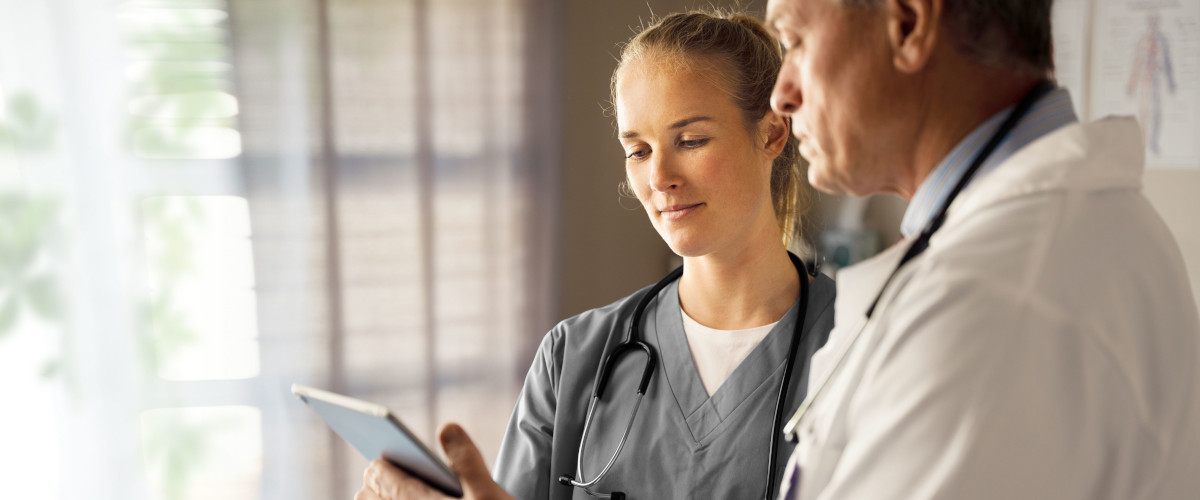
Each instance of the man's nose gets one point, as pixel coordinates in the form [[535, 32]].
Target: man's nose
[[786, 98]]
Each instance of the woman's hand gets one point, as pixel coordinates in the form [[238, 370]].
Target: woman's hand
[[383, 481]]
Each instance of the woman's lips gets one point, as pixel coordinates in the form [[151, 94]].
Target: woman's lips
[[677, 212]]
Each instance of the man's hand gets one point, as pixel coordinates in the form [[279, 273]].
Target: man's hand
[[383, 481]]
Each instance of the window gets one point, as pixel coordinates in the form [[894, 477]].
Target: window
[[243, 195]]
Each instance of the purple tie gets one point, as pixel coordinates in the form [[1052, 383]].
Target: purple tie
[[790, 488]]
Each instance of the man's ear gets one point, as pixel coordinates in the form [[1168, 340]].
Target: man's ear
[[912, 27], [776, 129]]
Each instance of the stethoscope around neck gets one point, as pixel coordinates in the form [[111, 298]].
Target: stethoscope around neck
[[921, 243], [633, 344]]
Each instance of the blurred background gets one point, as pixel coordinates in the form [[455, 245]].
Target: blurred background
[[205, 201]]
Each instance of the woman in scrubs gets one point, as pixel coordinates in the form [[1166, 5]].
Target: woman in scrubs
[[716, 171]]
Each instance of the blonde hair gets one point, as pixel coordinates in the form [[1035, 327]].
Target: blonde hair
[[744, 59]]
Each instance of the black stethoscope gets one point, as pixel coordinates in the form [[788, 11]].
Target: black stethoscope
[[921, 243], [632, 344]]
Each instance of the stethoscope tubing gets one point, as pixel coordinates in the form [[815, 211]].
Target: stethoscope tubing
[[634, 343], [587, 424], [781, 398]]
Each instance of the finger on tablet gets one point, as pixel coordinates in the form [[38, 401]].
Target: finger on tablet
[[388, 482], [366, 494]]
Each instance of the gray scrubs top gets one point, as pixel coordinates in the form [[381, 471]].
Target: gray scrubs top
[[683, 443]]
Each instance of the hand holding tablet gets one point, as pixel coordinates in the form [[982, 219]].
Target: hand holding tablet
[[403, 467], [382, 481]]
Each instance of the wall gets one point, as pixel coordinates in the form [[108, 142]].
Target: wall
[[1176, 195]]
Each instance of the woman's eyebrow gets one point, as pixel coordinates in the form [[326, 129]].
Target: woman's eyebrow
[[630, 134], [688, 121]]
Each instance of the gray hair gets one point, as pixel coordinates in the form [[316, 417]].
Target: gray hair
[[995, 32]]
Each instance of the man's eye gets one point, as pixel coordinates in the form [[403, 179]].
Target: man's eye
[[790, 43]]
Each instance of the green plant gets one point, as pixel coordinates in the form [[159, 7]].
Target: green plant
[[28, 284], [27, 124]]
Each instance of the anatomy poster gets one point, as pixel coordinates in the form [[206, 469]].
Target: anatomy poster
[[1070, 49], [1146, 63]]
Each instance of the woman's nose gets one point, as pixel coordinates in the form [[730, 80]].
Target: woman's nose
[[663, 176]]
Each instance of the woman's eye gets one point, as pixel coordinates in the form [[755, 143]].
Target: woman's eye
[[693, 143], [637, 154]]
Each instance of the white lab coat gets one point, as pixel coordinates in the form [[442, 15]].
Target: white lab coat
[[1046, 345]]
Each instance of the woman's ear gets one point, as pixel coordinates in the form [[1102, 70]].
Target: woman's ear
[[912, 28], [775, 128]]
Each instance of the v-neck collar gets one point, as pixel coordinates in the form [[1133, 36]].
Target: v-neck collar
[[701, 413]]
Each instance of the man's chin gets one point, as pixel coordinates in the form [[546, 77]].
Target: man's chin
[[823, 183]]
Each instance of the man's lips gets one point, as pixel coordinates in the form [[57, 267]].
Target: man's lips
[[806, 146], [806, 150]]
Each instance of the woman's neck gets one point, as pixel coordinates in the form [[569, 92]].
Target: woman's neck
[[752, 288]]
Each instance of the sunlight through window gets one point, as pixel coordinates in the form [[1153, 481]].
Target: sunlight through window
[[202, 302], [203, 453], [181, 104]]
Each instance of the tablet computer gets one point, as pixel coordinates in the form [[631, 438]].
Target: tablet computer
[[376, 433]]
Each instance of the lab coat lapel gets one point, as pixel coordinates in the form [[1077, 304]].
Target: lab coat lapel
[[820, 439], [858, 285]]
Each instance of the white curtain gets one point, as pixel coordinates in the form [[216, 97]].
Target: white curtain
[[205, 201]]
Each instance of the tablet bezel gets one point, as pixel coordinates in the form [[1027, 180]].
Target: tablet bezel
[[445, 480]]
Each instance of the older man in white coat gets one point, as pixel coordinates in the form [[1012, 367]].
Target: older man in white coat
[[1034, 335]]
